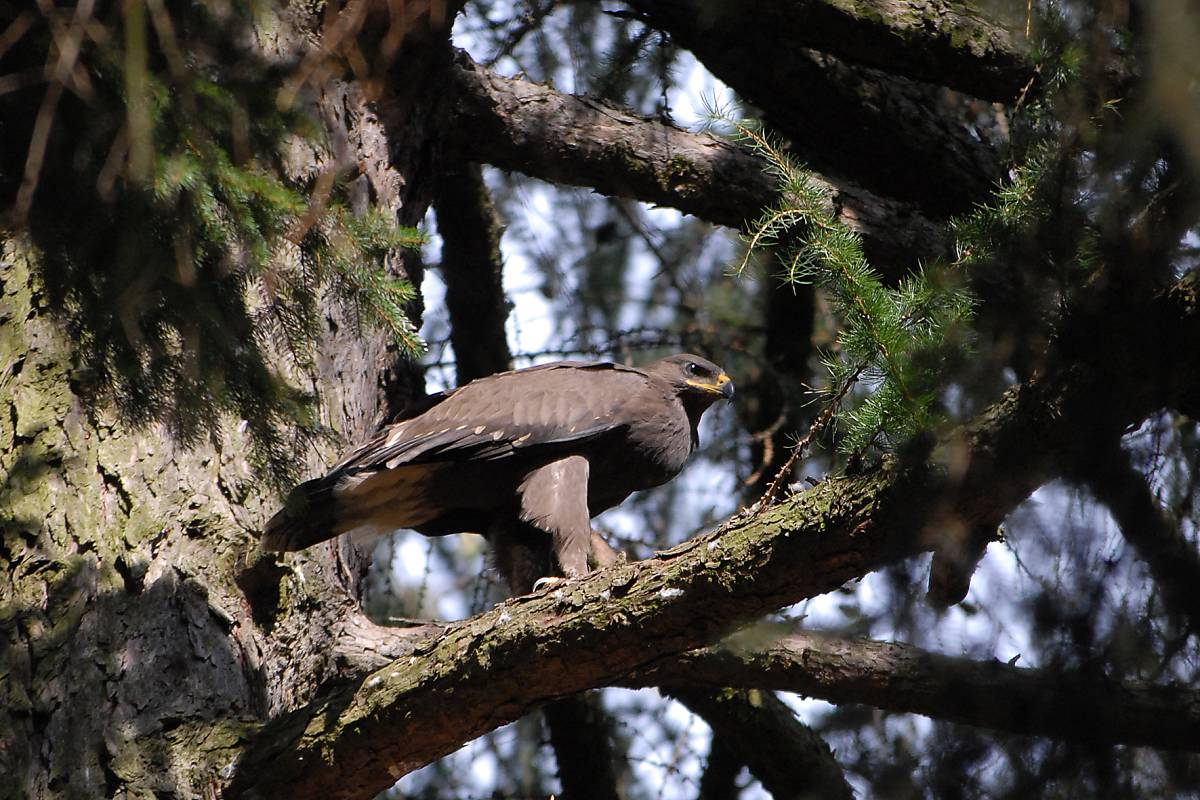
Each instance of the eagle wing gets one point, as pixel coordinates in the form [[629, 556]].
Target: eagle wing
[[384, 482], [494, 417]]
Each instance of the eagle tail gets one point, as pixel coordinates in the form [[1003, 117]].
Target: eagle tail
[[305, 519]]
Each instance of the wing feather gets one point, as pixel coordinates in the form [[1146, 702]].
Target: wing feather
[[495, 417]]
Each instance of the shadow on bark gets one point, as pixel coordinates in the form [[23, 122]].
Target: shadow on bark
[[112, 688]]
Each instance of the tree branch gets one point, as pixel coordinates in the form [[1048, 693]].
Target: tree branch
[[472, 271], [903, 678], [940, 42], [1144, 523], [721, 770], [538, 131], [890, 134], [787, 756], [492, 668], [580, 732]]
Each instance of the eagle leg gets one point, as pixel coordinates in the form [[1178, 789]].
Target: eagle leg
[[554, 500], [604, 554], [522, 555]]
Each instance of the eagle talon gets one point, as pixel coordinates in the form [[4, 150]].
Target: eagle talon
[[547, 583]]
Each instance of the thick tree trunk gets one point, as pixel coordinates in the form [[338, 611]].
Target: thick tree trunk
[[135, 644], [140, 631], [130, 655]]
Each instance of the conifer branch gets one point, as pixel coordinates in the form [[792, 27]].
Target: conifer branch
[[887, 335]]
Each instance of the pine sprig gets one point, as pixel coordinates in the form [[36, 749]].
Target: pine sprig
[[1015, 207], [893, 342], [378, 297]]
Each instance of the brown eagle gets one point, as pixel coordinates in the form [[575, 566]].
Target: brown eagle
[[526, 458]]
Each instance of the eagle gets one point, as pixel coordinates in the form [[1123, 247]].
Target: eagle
[[525, 458]]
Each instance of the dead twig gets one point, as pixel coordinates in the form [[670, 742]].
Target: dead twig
[[818, 425]]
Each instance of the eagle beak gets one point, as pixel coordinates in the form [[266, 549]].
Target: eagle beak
[[725, 386], [722, 386]]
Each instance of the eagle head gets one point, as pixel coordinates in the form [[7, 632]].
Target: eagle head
[[699, 382]]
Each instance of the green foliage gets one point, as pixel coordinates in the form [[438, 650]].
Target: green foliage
[[1005, 224], [176, 232], [897, 342]]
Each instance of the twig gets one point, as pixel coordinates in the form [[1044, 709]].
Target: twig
[[766, 436], [818, 425]]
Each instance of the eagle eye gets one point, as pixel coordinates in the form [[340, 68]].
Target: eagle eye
[[692, 368]]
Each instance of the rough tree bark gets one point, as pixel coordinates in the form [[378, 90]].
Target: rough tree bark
[[538, 131], [887, 133], [941, 42], [135, 644]]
